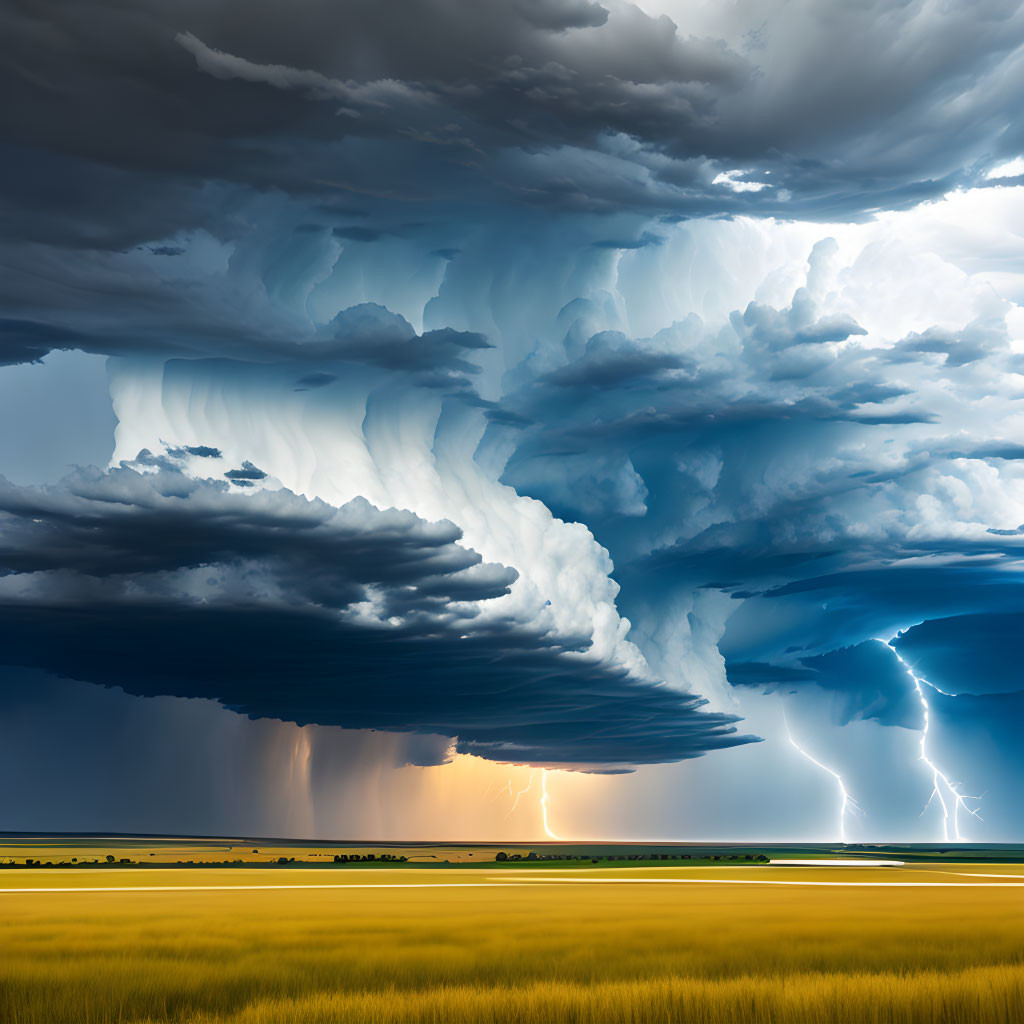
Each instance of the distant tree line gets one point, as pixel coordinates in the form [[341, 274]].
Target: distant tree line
[[31, 862], [756, 858], [352, 858]]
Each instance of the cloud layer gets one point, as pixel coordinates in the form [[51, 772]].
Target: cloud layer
[[276, 606], [522, 372]]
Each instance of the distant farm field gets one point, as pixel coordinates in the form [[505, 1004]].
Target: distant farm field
[[467, 945]]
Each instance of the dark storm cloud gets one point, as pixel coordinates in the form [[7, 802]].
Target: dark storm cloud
[[26, 341], [506, 701], [787, 465], [247, 472], [281, 607], [973, 654], [368, 334], [525, 102], [610, 358], [195, 201], [109, 525], [827, 610], [869, 682], [252, 123], [371, 334], [315, 380], [644, 241]]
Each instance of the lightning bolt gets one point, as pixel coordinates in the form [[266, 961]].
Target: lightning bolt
[[846, 802], [940, 782], [544, 803], [493, 795], [515, 803]]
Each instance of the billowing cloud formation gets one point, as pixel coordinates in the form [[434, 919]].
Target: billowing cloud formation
[[557, 273], [281, 607], [797, 479], [570, 103], [257, 151]]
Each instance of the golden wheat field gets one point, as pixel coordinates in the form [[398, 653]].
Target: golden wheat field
[[472, 946]]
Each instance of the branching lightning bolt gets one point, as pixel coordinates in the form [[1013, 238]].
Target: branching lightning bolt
[[501, 791], [544, 803], [846, 802], [543, 799], [515, 803], [939, 781]]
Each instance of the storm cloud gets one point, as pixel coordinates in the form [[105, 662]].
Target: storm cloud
[[249, 130], [525, 373], [281, 607]]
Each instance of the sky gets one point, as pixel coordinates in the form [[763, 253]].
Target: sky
[[513, 420]]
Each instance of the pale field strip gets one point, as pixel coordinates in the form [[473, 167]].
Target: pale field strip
[[247, 888], [835, 862], [782, 881], [975, 874], [529, 879]]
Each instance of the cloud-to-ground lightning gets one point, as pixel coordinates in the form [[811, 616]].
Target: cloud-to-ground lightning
[[544, 803], [940, 781], [846, 802], [543, 799]]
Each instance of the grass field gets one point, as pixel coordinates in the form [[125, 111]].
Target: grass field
[[511, 947]]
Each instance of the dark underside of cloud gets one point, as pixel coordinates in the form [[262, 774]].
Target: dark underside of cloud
[[285, 608], [968, 640], [968, 654], [366, 334], [869, 682], [505, 697], [830, 629]]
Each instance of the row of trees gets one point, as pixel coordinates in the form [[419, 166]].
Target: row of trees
[[31, 862], [351, 858], [757, 858]]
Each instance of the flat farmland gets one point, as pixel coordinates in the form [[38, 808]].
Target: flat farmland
[[941, 943]]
